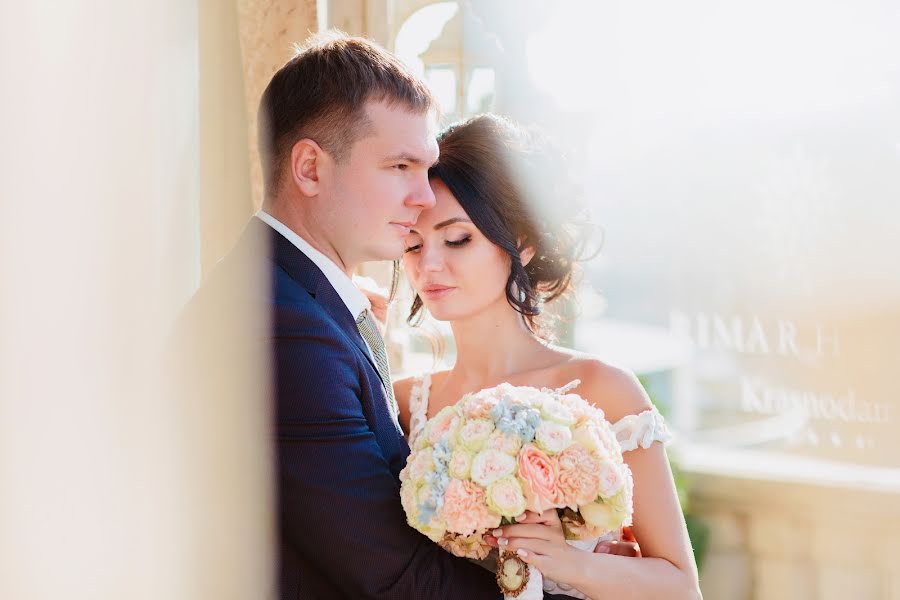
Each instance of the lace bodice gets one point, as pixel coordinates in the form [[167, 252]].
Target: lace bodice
[[632, 431]]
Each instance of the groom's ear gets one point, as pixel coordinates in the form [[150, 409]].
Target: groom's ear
[[307, 159]]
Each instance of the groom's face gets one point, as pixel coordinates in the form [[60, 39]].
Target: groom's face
[[375, 195]]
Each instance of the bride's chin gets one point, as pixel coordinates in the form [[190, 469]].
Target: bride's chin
[[440, 313]]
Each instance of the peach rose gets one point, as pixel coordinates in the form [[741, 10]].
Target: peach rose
[[579, 476], [538, 473], [465, 509]]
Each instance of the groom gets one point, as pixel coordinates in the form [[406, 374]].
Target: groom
[[346, 140]]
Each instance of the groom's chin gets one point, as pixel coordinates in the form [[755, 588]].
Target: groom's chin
[[390, 252]]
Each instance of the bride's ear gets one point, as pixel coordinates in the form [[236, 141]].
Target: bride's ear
[[526, 252]]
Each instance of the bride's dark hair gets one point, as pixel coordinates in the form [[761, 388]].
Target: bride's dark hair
[[517, 193]]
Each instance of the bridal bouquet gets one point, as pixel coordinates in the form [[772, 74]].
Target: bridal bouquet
[[501, 451]]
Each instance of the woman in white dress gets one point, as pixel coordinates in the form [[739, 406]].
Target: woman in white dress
[[483, 261]]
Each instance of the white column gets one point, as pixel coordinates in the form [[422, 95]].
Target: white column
[[100, 491]]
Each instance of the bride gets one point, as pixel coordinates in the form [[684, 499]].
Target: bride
[[483, 261]]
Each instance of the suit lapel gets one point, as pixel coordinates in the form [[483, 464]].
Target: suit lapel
[[304, 271]]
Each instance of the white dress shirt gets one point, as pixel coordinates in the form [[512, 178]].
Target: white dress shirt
[[353, 298]]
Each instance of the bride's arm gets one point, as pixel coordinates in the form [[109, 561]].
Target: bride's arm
[[667, 569]]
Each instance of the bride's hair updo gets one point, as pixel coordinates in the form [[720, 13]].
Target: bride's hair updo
[[517, 192]]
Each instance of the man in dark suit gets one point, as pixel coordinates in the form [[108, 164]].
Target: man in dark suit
[[346, 140]]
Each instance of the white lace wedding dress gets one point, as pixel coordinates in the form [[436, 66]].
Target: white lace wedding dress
[[632, 431]]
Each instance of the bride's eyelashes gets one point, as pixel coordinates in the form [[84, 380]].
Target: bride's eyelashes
[[451, 243], [460, 242]]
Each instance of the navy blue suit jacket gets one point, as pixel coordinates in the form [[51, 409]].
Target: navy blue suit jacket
[[342, 530]]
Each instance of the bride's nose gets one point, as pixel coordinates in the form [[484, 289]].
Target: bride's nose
[[430, 259]]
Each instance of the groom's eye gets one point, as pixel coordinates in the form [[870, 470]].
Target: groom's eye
[[413, 248], [401, 166]]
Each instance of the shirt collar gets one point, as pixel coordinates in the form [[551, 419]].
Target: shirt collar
[[353, 298]]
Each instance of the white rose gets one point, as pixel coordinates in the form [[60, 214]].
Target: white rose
[[611, 479], [557, 412], [603, 516], [490, 465], [460, 463], [588, 436], [474, 433], [506, 443], [552, 437]]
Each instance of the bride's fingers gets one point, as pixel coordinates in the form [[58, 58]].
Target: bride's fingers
[[525, 530], [530, 545], [548, 516], [532, 558]]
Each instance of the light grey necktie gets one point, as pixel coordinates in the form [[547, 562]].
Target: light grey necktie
[[369, 331]]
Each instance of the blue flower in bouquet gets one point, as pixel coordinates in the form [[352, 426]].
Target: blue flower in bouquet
[[516, 419], [435, 482]]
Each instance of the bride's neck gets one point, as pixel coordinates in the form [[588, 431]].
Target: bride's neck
[[492, 345]]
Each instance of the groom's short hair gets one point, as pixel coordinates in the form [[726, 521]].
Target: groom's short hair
[[321, 94]]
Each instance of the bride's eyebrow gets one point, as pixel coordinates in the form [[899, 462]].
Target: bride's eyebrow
[[443, 224], [446, 223]]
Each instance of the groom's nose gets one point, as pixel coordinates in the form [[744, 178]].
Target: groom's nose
[[421, 195]]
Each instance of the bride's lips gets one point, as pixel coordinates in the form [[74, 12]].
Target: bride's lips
[[436, 292]]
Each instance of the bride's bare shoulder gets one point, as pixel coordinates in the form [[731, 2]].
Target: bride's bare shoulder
[[614, 389], [403, 387]]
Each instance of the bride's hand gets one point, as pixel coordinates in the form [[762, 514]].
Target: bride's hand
[[540, 541], [377, 298]]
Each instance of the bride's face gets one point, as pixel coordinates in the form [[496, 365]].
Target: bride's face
[[453, 267]]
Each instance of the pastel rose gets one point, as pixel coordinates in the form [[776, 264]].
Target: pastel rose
[[579, 476], [575, 403], [602, 516], [460, 463], [611, 479], [479, 406], [490, 465], [588, 435], [502, 442], [421, 463], [408, 493], [442, 424], [557, 412], [473, 434], [538, 474], [505, 497], [553, 437], [465, 510]]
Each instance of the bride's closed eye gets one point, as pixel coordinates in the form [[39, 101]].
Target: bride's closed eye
[[451, 243], [460, 242]]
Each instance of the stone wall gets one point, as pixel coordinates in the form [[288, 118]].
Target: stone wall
[[774, 541]]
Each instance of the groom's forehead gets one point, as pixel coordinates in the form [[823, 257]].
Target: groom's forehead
[[404, 144]]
